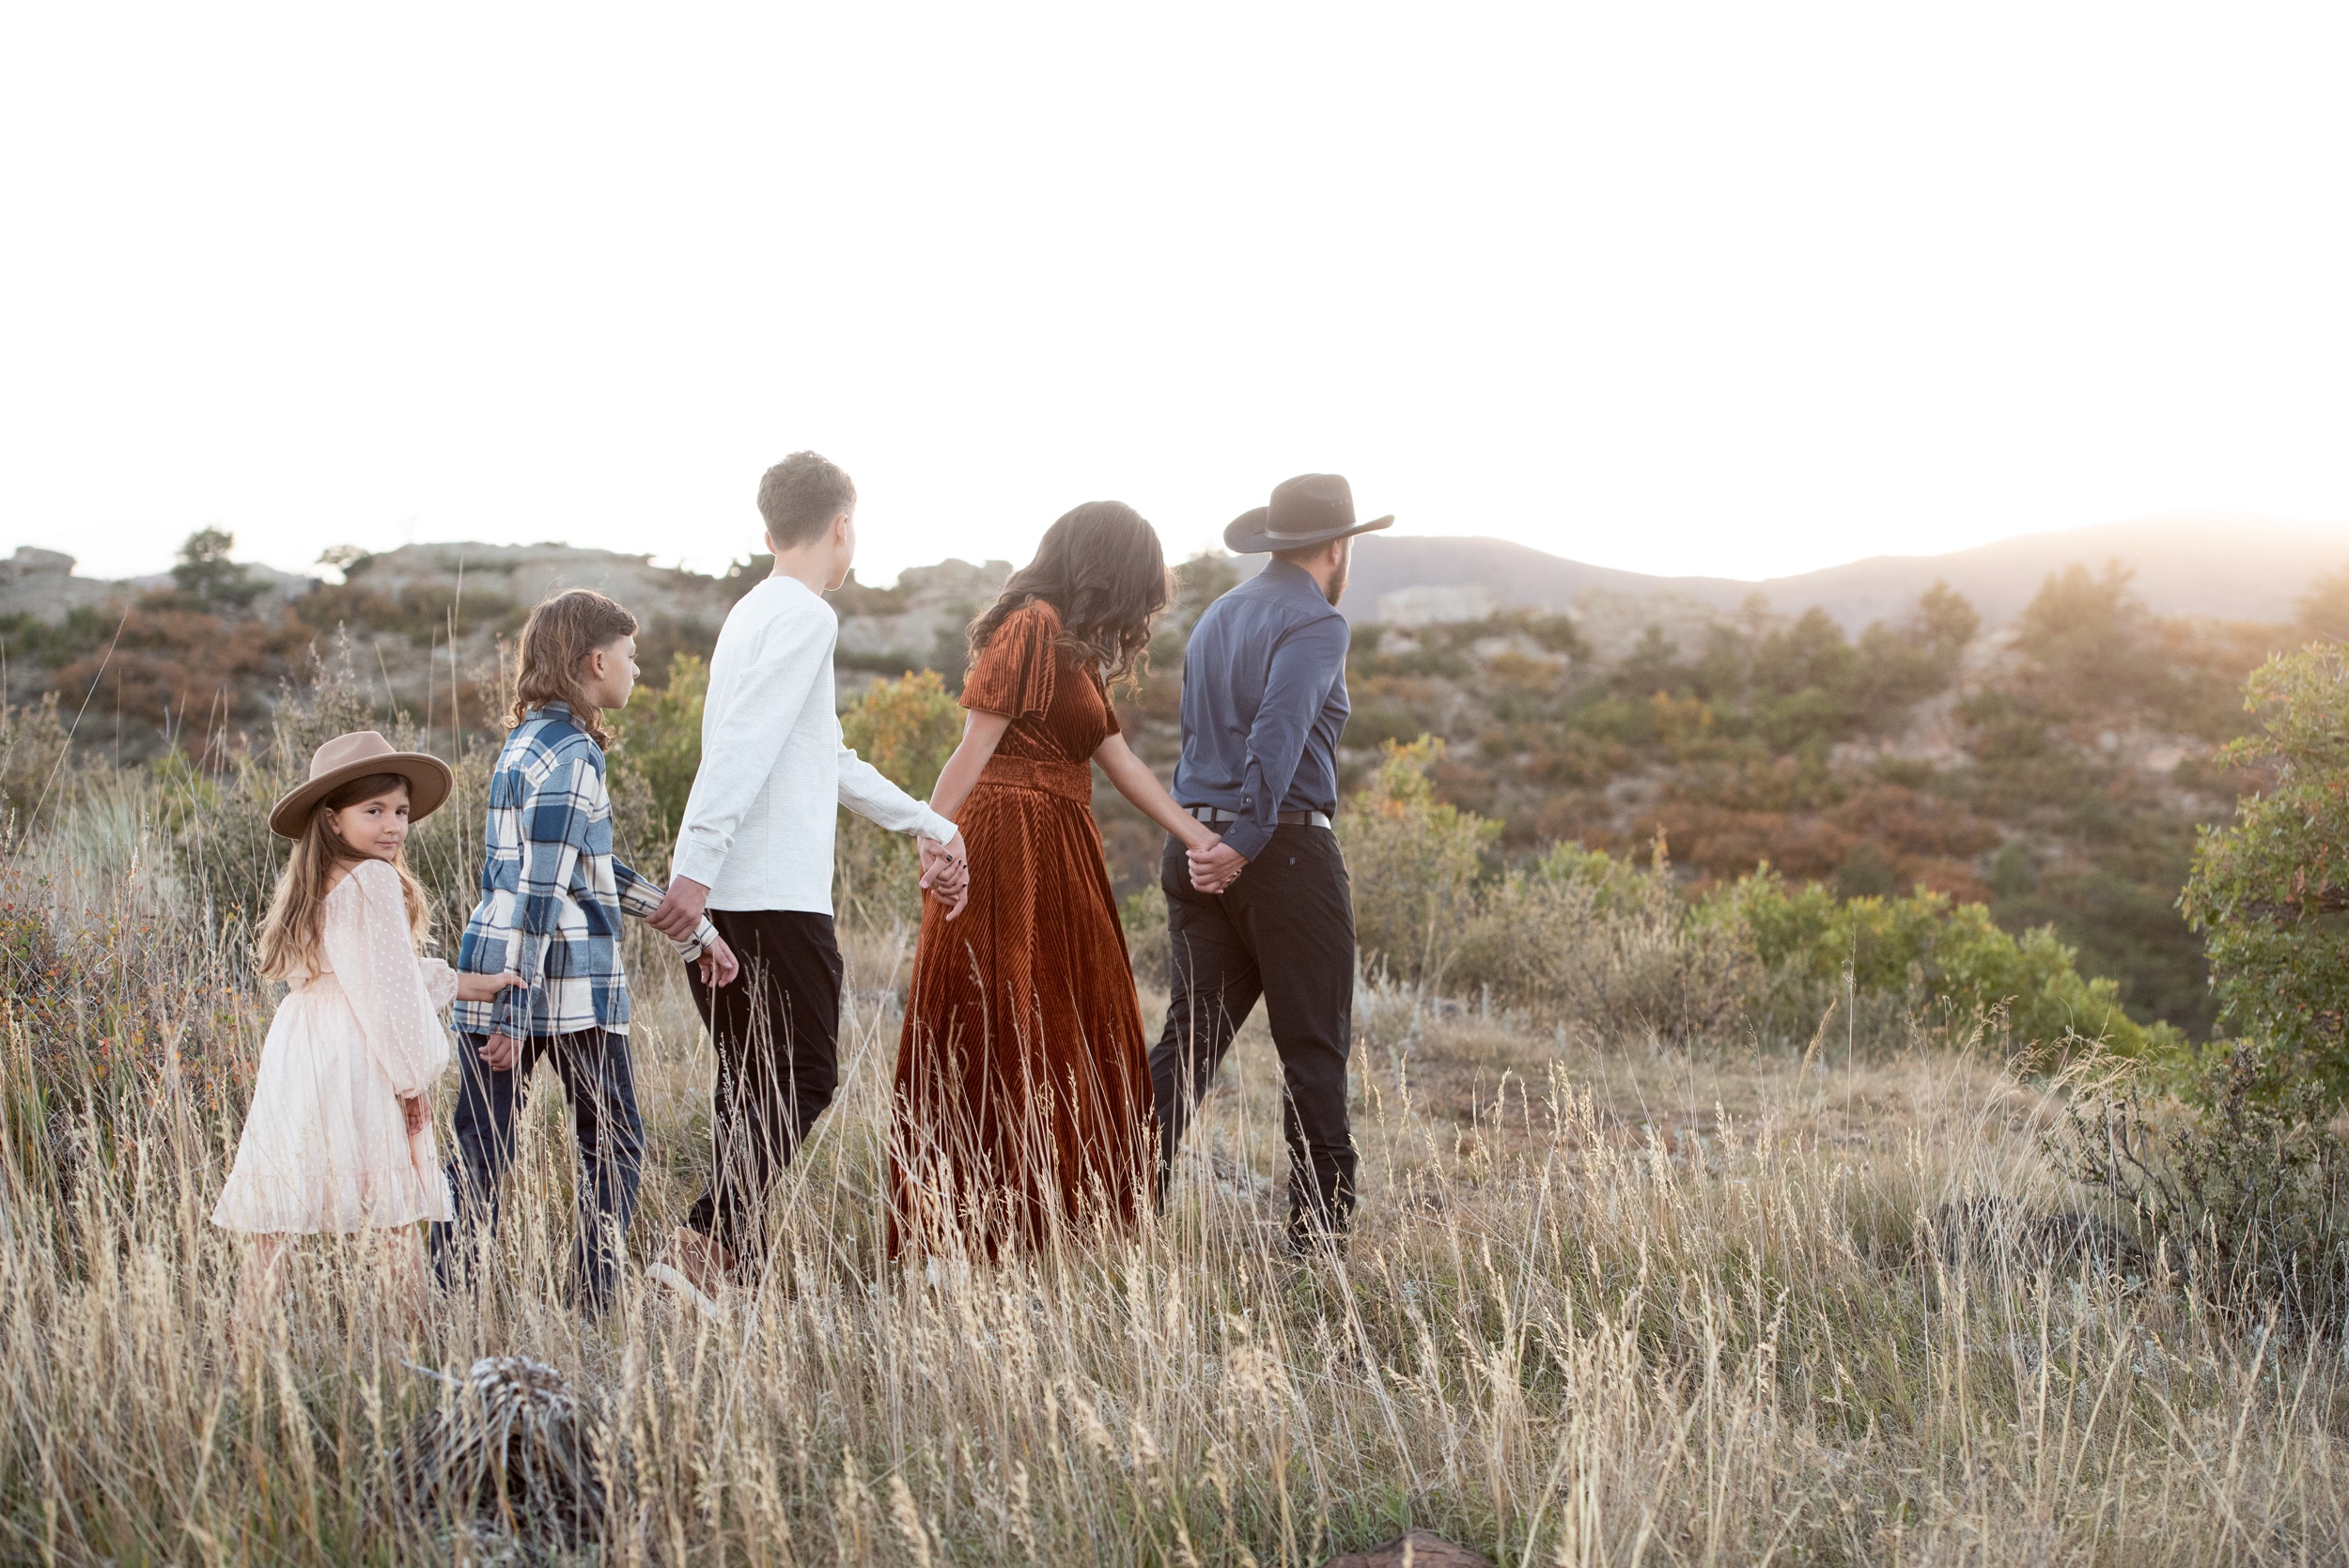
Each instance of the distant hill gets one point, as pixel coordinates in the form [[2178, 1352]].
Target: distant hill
[[2232, 568]]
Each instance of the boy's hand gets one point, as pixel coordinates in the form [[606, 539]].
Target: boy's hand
[[483, 988], [417, 1113], [680, 909], [718, 963], [499, 1052]]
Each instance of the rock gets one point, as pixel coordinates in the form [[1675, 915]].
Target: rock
[[521, 575], [920, 622], [40, 583], [1420, 1549]]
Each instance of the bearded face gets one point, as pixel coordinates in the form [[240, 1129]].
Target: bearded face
[[1345, 562]]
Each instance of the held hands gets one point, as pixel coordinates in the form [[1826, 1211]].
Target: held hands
[[498, 1053], [946, 873], [681, 908], [718, 963], [483, 988], [1215, 866]]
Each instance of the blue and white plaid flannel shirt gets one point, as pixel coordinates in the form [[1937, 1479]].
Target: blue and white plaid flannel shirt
[[552, 894]]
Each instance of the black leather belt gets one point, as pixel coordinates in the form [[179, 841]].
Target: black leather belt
[[1215, 816]]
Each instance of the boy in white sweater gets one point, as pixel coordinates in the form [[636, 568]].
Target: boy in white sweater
[[755, 850]]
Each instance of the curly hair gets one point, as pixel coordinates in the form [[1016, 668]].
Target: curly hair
[[1101, 568]]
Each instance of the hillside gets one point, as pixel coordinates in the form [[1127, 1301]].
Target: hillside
[[2049, 747], [2229, 569]]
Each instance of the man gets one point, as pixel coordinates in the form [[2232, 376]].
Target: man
[[755, 850], [1267, 913]]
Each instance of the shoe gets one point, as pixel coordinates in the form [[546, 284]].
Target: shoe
[[698, 1269]]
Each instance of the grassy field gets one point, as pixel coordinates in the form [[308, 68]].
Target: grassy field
[[1608, 1303]]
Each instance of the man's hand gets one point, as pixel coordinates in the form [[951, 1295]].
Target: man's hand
[[946, 874], [1216, 867], [719, 965], [415, 1112], [499, 1052], [680, 909]]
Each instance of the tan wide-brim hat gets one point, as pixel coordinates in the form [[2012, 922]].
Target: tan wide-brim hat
[[355, 756]]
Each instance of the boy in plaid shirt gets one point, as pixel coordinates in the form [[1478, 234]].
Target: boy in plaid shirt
[[551, 898]]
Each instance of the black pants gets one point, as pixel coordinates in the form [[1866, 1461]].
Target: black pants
[[776, 1031], [601, 1084], [1284, 931]]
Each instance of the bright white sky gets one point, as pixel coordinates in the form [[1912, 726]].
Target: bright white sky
[[1737, 289]]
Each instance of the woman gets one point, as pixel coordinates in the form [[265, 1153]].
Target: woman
[[1023, 1087]]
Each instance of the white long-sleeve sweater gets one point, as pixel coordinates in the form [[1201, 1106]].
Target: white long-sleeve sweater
[[758, 824]]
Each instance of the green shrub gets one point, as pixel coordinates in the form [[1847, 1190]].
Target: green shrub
[[1923, 953], [907, 728], [2270, 891], [657, 749], [1581, 937], [1413, 862]]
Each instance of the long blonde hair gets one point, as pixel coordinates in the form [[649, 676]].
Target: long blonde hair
[[556, 640], [287, 947]]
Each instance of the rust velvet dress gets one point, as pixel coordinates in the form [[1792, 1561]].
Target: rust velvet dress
[[1023, 1101]]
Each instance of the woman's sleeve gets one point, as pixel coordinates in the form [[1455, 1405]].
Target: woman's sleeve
[[375, 960], [1016, 671], [440, 983]]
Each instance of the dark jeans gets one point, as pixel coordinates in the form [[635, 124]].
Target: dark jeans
[[601, 1084], [1285, 932], [776, 1031]]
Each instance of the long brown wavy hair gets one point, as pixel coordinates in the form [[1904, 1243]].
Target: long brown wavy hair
[[287, 946], [1101, 568], [556, 640]]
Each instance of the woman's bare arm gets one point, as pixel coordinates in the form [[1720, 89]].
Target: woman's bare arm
[[981, 734], [1135, 781]]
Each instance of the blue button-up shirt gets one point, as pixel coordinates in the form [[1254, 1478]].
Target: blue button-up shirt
[[1264, 702], [552, 891]]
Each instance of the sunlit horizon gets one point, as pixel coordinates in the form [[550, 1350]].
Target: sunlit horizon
[[1724, 292]]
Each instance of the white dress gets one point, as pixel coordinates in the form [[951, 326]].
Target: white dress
[[325, 1147]]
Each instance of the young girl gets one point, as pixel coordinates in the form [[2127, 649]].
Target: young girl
[[551, 897], [339, 1135]]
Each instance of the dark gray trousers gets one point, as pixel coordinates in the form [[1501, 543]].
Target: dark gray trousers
[[601, 1083], [1283, 932]]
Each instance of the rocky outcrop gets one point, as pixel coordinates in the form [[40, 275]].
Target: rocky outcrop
[[521, 575], [40, 583], [919, 622]]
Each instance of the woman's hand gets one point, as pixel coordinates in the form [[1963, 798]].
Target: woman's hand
[[417, 1112], [1133, 780], [945, 874], [483, 988]]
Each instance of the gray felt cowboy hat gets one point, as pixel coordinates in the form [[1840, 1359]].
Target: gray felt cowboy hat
[[355, 756], [1309, 509]]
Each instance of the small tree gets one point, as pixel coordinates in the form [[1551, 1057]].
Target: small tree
[[206, 575], [2270, 891]]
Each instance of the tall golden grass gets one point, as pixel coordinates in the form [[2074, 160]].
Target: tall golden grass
[[1608, 1303]]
